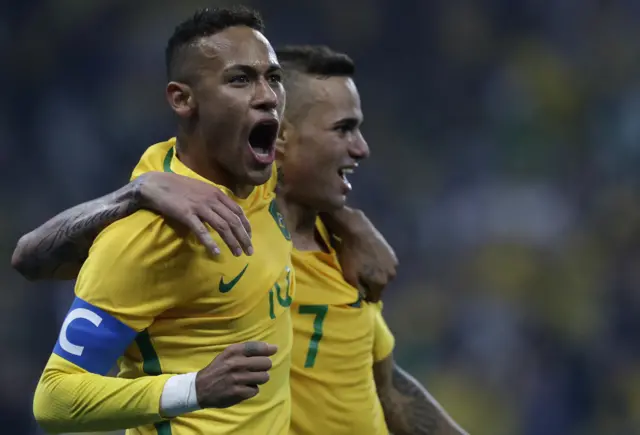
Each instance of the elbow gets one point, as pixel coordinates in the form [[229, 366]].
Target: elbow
[[51, 409], [19, 260], [47, 423], [44, 411]]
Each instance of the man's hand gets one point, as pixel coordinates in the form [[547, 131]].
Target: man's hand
[[234, 375], [194, 203], [368, 261]]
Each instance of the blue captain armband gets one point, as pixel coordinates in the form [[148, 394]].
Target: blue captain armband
[[92, 339]]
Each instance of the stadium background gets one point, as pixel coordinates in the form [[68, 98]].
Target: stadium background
[[506, 143]]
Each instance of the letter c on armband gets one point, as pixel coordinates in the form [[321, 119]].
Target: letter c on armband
[[78, 313], [92, 339]]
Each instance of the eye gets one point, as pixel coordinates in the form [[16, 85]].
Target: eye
[[343, 128], [275, 78], [239, 79]]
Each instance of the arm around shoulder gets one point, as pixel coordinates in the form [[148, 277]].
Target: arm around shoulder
[[57, 248]]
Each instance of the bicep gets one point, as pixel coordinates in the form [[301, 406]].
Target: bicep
[[383, 373], [123, 286], [91, 338], [391, 402]]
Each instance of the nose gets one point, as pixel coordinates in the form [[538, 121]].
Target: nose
[[265, 98], [359, 148]]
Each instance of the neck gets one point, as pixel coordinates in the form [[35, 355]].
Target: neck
[[301, 222], [192, 152]]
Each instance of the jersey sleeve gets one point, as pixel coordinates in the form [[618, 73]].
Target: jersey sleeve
[[383, 341], [70, 399], [128, 280]]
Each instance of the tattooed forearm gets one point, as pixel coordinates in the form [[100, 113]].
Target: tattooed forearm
[[57, 249], [408, 406]]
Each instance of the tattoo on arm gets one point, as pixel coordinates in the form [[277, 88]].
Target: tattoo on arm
[[58, 248], [408, 407]]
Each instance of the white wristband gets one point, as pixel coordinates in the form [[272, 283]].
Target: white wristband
[[179, 395]]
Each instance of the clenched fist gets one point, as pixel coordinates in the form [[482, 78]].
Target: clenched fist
[[234, 375]]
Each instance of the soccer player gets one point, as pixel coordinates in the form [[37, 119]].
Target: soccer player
[[152, 296], [338, 338]]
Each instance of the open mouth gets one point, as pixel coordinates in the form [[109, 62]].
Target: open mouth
[[262, 140], [344, 172]]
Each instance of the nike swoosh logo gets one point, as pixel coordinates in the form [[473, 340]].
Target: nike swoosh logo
[[225, 287]]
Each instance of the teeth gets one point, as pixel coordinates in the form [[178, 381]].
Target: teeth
[[343, 174], [345, 180]]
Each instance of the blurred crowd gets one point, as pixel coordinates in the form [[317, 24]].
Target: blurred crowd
[[505, 141]]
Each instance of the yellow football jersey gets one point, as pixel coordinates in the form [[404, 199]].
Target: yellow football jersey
[[187, 306], [337, 338]]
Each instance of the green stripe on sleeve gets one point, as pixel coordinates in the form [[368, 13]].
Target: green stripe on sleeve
[[150, 362], [151, 366]]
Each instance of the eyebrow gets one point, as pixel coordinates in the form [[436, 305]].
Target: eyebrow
[[349, 121], [250, 69]]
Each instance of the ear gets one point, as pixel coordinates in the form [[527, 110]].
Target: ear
[[181, 99], [284, 137]]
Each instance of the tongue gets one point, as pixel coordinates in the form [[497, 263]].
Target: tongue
[[261, 151], [260, 139]]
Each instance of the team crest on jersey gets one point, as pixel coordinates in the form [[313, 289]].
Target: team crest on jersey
[[277, 216]]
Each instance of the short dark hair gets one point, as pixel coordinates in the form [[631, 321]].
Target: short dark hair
[[317, 60], [207, 22]]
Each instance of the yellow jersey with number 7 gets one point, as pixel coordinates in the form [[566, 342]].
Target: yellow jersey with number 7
[[337, 338]]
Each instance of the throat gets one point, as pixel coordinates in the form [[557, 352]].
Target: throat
[[195, 158], [309, 242], [301, 222]]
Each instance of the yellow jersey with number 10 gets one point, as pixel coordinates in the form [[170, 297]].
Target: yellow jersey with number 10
[[337, 338], [188, 306]]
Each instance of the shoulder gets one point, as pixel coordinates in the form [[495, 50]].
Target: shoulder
[[380, 322], [153, 159], [384, 341], [377, 307], [143, 241], [136, 264], [142, 228]]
